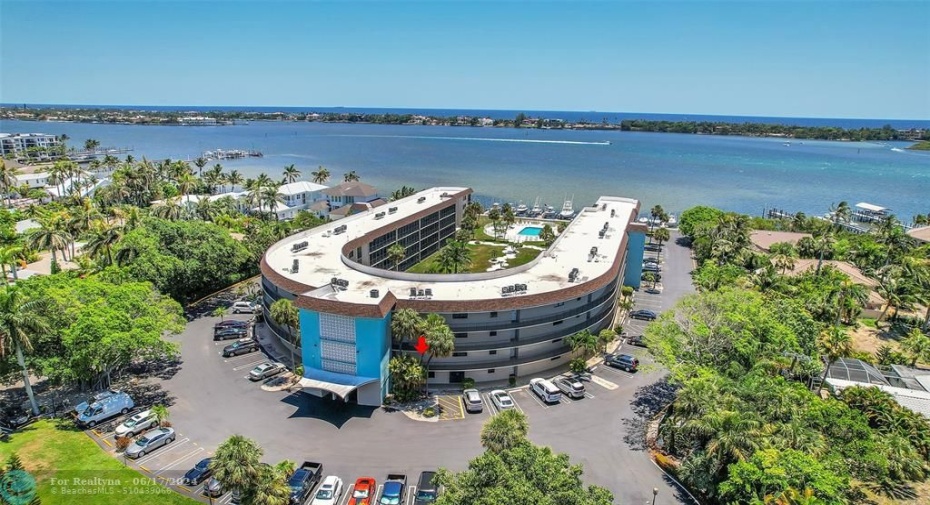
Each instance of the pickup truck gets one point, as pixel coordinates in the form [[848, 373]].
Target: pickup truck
[[395, 487], [304, 480]]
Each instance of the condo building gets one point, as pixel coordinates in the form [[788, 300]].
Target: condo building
[[507, 323]]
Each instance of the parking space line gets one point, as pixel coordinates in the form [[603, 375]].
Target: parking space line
[[241, 357], [617, 373], [489, 403], [348, 495], [179, 460], [606, 384], [377, 495], [249, 365], [173, 445], [589, 395], [226, 498], [537, 400], [411, 495]]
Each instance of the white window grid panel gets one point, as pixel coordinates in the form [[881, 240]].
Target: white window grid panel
[[339, 367], [339, 328]]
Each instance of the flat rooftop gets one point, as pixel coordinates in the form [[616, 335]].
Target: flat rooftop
[[322, 259]]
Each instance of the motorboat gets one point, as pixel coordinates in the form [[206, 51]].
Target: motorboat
[[521, 209], [537, 210], [568, 210]]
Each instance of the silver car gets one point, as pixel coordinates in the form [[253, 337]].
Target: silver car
[[150, 441], [472, 400], [137, 424], [266, 369], [502, 400]]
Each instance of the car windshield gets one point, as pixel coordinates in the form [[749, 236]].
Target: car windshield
[[325, 494], [203, 464], [142, 441], [360, 493], [131, 422], [426, 495], [387, 500]]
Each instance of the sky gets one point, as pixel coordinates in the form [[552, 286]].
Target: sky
[[839, 59]]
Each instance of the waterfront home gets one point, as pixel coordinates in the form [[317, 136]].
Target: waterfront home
[[348, 193], [873, 305], [763, 240], [922, 234], [17, 144]]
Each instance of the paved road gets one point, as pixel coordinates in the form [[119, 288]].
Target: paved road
[[213, 400]]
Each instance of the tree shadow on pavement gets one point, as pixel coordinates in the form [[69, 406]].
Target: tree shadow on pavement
[[335, 412], [647, 402]]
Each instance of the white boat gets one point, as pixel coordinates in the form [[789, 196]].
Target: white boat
[[537, 210], [521, 208], [568, 210], [672, 221]]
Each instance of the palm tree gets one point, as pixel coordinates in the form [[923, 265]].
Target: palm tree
[[9, 255], [21, 319], [650, 277], [835, 343], [101, 239], [291, 174], [440, 339], [234, 179], [283, 312], [729, 436], [91, 144], [917, 346], [321, 175], [661, 235], [350, 176], [897, 292], [171, 209], [8, 180], [504, 431], [584, 340], [841, 212], [406, 325], [396, 253], [236, 463], [403, 192], [269, 487], [454, 256], [200, 162], [161, 415], [657, 213], [783, 262], [49, 235]]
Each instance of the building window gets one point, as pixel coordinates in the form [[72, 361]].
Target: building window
[[432, 375], [492, 352], [557, 323], [493, 314], [459, 354], [490, 370], [461, 335], [492, 334], [459, 316]]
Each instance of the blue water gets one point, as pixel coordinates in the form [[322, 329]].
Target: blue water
[[677, 171], [531, 231]]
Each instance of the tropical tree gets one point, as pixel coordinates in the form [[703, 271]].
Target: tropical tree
[[407, 374], [291, 174], [605, 337], [547, 235], [234, 179], [406, 325], [200, 162], [8, 180], [161, 414], [9, 255], [783, 262], [91, 144], [283, 312], [917, 346], [403, 192], [321, 175], [100, 241], [504, 431], [841, 213], [350, 176], [585, 340], [396, 253], [50, 234], [236, 463], [454, 256], [21, 318], [439, 338], [650, 277], [835, 343], [657, 213], [728, 436], [270, 486], [661, 235], [171, 209]]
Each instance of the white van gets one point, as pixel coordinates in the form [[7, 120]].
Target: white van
[[546, 390], [243, 307], [110, 406]]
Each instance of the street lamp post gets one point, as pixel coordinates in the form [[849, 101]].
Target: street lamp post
[[655, 492]]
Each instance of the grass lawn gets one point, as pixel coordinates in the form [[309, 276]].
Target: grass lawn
[[51, 451], [481, 255]]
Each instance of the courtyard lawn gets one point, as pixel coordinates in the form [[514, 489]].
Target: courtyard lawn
[[50, 450], [481, 255]]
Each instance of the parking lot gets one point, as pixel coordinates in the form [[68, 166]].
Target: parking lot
[[213, 399]]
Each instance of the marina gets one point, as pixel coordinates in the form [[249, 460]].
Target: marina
[[232, 154]]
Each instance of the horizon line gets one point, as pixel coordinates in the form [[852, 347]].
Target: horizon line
[[310, 108]]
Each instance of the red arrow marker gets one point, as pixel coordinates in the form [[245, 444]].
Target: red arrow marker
[[421, 346]]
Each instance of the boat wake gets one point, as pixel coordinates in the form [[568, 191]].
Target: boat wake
[[481, 139]]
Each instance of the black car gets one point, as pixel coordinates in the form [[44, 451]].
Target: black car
[[199, 473], [623, 361], [644, 314], [427, 490], [240, 347], [232, 332], [231, 323], [636, 340]]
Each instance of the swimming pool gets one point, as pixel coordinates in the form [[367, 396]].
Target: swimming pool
[[530, 231]]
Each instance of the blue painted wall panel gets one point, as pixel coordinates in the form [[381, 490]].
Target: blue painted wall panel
[[634, 258], [310, 339], [373, 345]]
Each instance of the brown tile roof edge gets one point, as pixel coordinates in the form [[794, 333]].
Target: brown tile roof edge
[[763, 239], [351, 189], [849, 269]]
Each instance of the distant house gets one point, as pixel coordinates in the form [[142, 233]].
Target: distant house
[[295, 197], [355, 208], [922, 234], [910, 387], [874, 304], [763, 240], [349, 193]]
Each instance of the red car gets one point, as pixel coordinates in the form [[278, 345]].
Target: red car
[[364, 491]]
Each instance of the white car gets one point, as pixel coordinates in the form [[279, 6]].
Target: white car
[[137, 424], [329, 492], [265, 370], [502, 400], [243, 307]]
